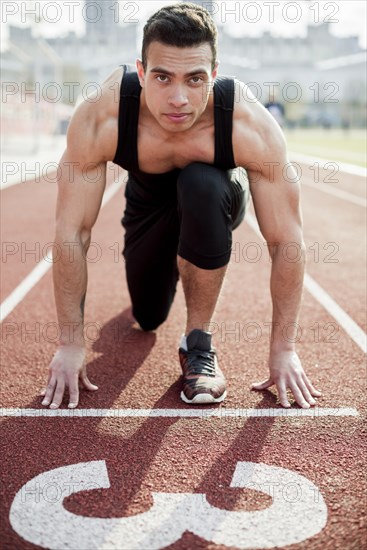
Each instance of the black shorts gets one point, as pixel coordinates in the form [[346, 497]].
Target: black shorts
[[192, 216]]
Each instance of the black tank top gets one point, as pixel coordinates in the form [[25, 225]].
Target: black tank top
[[127, 145]]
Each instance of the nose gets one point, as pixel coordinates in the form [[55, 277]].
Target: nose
[[178, 98]]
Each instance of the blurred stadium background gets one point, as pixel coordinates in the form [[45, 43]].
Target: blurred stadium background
[[317, 76]]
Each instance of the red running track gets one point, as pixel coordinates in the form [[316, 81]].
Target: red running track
[[214, 478]]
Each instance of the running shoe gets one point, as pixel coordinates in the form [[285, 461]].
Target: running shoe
[[203, 381]]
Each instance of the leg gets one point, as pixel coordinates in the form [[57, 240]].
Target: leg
[[211, 202], [201, 288], [150, 253]]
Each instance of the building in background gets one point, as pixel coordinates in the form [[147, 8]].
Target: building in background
[[110, 39], [320, 78], [101, 22]]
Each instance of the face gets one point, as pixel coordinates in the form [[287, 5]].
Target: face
[[177, 83]]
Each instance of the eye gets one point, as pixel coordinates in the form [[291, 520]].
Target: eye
[[162, 78], [196, 79]]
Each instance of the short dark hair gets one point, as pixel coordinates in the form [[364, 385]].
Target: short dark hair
[[183, 25]]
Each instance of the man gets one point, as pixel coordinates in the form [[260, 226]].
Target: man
[[180, 131]]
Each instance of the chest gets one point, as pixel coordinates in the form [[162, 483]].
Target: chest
[[157, 154]]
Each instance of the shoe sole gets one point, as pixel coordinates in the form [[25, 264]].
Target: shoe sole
[[203, 398]]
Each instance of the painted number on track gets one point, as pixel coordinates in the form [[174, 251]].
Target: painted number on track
[[298, 511]]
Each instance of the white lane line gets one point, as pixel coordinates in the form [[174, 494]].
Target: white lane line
[[24, 287], [341, 317], [346, 322], [222, 412], [353, 169], [339, 193], [41, 269]]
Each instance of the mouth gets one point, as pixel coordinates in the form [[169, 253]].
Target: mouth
[[177, 117]]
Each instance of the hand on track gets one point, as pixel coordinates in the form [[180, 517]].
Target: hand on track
[[66, 369], [286, 372]]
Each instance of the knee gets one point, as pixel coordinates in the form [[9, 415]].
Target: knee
[[200, 182], [148, 321]]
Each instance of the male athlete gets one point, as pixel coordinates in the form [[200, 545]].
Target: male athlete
[[185, 136]]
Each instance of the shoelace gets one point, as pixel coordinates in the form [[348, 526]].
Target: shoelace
[[200, 362]]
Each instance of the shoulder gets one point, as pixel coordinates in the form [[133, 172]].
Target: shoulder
[[257, 137], [92, 132]]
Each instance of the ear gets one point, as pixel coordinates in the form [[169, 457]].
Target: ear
[[215, 70], [141, 72]]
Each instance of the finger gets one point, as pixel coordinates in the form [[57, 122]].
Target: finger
[[299, 382], [283, 398], [87, 383], [313, 391], [298, 395], [58, 395], [73, 392], [262, 385], [49, 390]]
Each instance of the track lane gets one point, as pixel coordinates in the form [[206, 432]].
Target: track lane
[[27, 226], [337, 253], [137, 370], [190, 456], [122, 359], [344, 241]]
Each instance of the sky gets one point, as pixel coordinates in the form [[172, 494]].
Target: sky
[[280, 17]]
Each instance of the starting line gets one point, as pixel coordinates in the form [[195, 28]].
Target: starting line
[[316, 412]]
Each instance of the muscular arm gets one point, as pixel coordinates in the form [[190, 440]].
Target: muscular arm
[[275, 190], [78, 205], [276, 196], [81, 183]]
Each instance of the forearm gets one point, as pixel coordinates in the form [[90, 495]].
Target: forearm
[[70, 285], [285, 368], [286, 286]]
